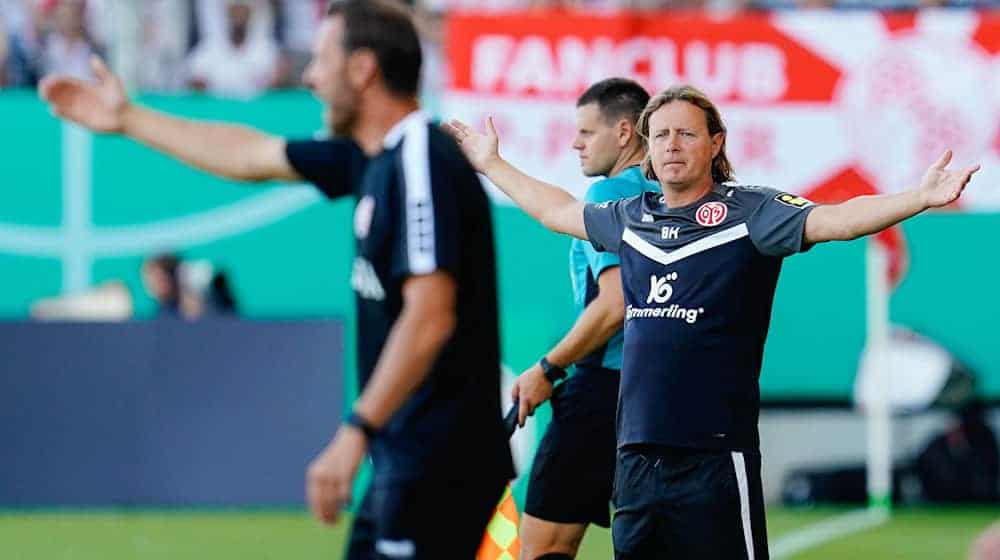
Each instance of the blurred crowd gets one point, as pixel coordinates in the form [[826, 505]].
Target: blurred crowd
[[234, 48], [180, 288], [240, 48]]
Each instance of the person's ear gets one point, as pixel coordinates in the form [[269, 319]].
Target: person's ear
[[362, 68]]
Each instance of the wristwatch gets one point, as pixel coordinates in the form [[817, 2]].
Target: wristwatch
[[552, 373], [356, 420]]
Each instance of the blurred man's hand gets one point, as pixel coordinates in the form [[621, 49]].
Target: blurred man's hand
[[100, 106], [331, 475]]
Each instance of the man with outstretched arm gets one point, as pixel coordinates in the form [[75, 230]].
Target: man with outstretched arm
[[424, 277], [699, 266]]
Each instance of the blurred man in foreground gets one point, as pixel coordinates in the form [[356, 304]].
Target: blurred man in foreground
[[424, 276]]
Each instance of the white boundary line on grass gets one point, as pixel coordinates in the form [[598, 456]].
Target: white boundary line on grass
[[826, 531]]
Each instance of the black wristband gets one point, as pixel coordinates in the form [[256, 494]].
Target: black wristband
[[356, 420], [552, 373]]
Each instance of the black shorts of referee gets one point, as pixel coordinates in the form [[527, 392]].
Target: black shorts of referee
[[574, 465], [424, 519], [679, 503]]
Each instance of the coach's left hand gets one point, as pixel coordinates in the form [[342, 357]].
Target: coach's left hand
[[940, 185], [331, 475], [530, 389]]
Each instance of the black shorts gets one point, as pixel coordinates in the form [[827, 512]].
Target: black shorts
[[687, 503], [423, 519], [574, 466]]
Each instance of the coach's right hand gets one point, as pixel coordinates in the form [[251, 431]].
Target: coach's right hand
[[530, 389], [99, 106]]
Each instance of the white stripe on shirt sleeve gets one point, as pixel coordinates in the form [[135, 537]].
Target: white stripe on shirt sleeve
[[420, 239]]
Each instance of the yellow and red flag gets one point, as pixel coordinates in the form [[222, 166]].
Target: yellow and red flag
[[501, 541]]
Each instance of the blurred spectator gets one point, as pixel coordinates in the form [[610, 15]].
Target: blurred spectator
[[164, 34], [211, 19], [69, 46], [160, 277], [239, 64], [187, 289], [26, 26], [204, 291], [220, 298], [297, 24]]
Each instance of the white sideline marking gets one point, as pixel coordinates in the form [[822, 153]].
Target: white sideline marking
[[826, 531]]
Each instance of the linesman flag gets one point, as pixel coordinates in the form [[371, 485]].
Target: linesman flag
[[501, 542]]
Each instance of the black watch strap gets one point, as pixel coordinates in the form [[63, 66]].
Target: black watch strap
[[356, 420], [552, 373]]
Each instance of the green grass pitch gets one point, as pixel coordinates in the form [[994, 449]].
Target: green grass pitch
[[913, 534]]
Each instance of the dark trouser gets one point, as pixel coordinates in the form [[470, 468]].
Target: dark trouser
[[420, 519], [685, 503], [575, 463]]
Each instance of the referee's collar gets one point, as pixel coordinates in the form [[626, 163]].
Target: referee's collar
[[397, 132]]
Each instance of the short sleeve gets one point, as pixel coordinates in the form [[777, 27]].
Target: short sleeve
[[434, 209], [777, 226], [605, 223], [335, 166], [603, 191]]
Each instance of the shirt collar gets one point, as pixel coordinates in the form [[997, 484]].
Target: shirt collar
[[397, 132], [661, 206]]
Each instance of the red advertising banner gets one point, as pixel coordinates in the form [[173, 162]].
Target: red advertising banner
[[863, 95], [824, 104]]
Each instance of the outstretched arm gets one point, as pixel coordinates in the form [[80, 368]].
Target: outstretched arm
[[864, 215], [232, 151], [555, 208]]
